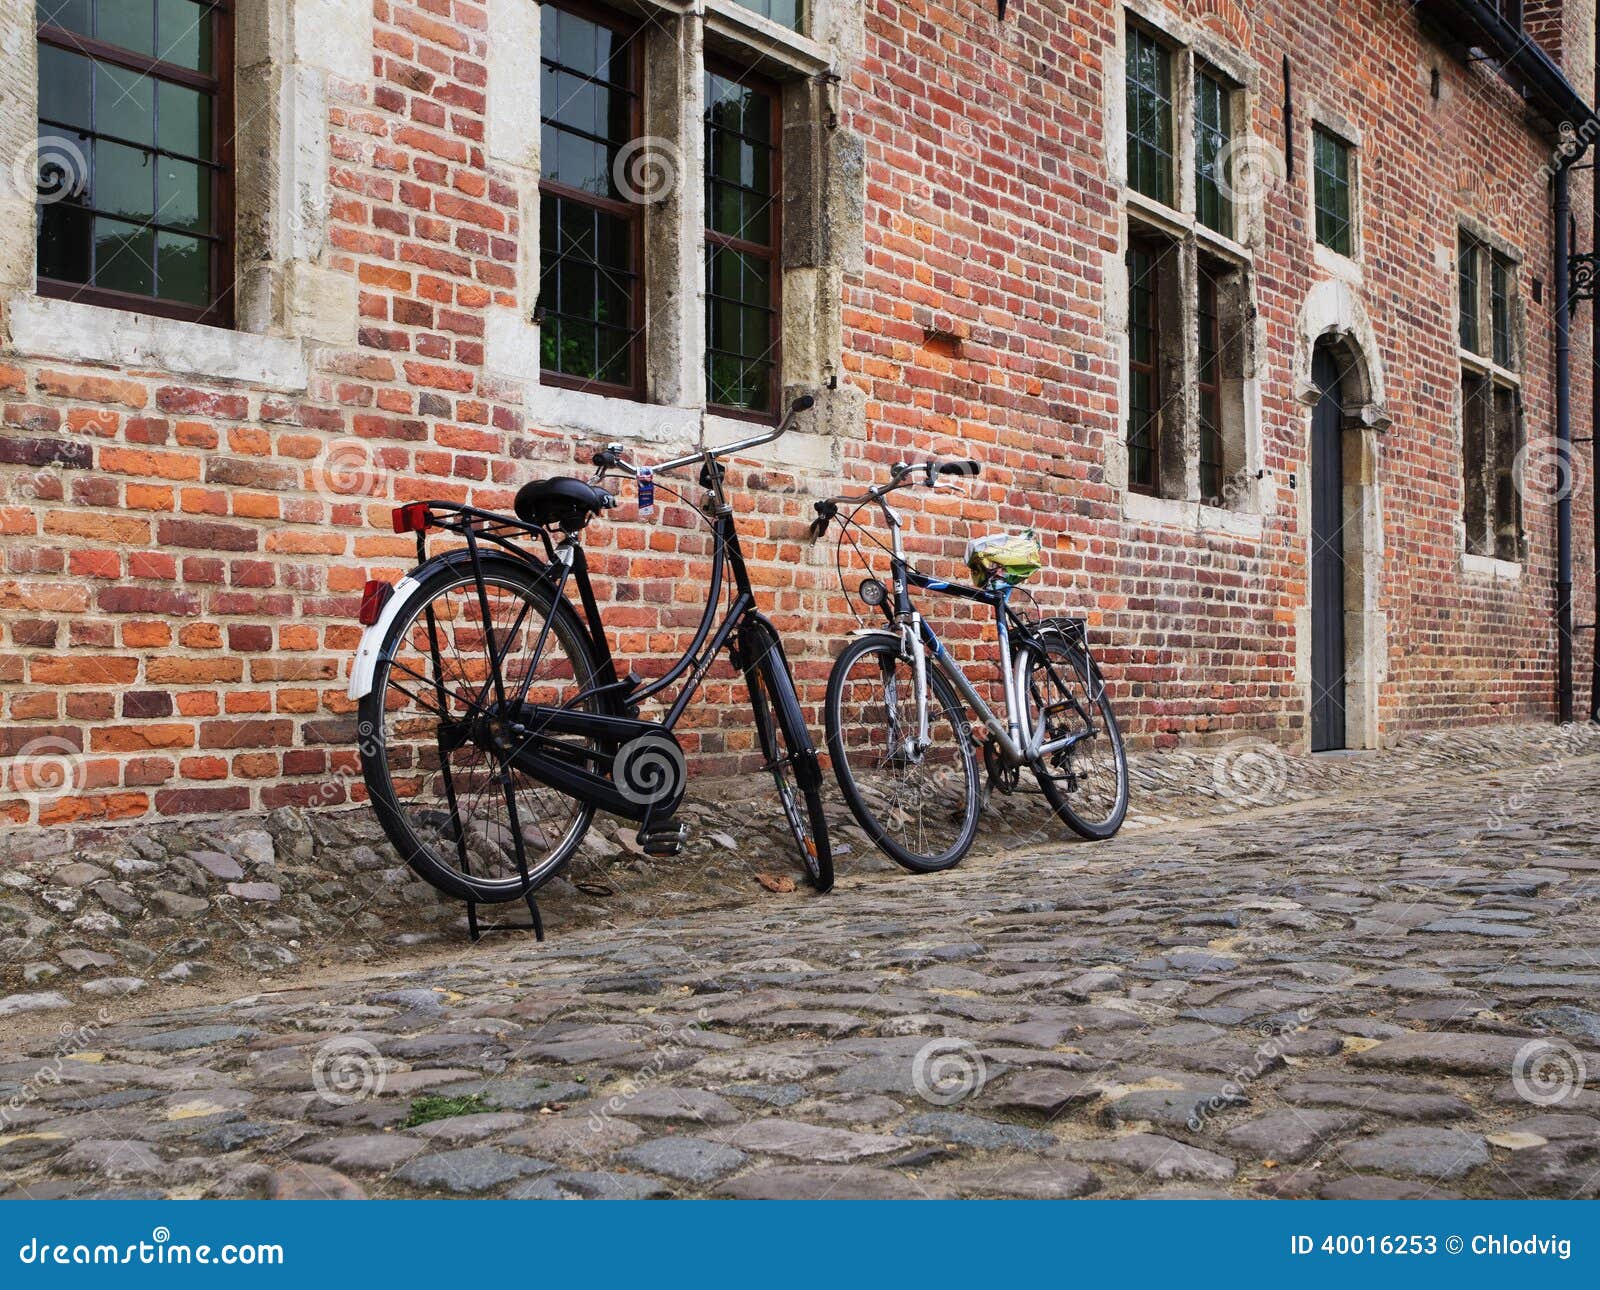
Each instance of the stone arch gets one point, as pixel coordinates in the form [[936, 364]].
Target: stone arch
[[1334, 315], [1335, 321]]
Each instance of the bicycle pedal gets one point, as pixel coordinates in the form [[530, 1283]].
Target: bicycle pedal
[[664, 840]]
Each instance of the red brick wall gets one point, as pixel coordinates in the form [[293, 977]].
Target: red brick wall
[[179, 585]]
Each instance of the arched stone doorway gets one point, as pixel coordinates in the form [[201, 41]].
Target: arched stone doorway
[[1341, 628]]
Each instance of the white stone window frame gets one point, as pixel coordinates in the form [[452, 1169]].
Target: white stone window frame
[[1192, 43], [287, 54], [673, 410], [1335, 264], [1491, 246]]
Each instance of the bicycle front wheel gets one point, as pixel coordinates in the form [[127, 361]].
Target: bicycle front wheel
[[453, 807], [786, 749], [919, 805], [1086, 779]]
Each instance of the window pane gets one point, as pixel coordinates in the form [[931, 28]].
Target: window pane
[[124, 257], [61, 172], [64, 242], [185, 119], [739, 342], [124, 181], [786, 13], [1210, 410], [1212, 129], [1331, 190], [1149, 112], [585, 291], [73, 15], [183, 269], [184, 34], [741, 350], [1501, 282], [124, 104], [588, 105], [739, 160], [63, 87], [1467, 291], [184, 195], [1143, 390], [128, 23]]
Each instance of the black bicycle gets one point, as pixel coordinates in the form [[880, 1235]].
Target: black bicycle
[[493, 720], [902, 749]]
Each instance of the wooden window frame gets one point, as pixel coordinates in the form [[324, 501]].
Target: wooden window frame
[[632, 212], [773, 253], [220, 312]]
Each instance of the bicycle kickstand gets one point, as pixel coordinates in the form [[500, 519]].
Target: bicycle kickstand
[[476, 930]]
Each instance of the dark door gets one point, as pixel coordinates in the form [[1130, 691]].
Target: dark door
[[1327, 558]]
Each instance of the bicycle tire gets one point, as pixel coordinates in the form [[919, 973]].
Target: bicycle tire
[[786, 743], [404, 815], [1058, 789], [855, 798]]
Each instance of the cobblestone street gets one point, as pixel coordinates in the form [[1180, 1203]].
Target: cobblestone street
[[1388, 990]]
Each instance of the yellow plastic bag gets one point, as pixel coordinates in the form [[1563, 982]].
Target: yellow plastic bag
[[1016, 557]]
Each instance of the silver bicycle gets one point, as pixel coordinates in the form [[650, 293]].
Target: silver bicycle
[[903, 752]]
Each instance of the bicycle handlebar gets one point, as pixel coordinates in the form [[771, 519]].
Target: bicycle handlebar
[[903, 475], [610, 457]]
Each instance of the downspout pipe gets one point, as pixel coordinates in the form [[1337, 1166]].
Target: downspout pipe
[[1563, 374]]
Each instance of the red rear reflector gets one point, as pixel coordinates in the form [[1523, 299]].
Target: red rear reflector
[[374, 596], [411, 518]]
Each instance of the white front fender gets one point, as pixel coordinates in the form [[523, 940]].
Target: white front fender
[[366, 661]]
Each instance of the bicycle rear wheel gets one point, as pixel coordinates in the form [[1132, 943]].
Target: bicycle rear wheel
[[1064, 697], [920, 807], [452, 807], [786, 748]]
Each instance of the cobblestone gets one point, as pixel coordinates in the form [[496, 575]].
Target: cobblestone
[[1250, 1006]]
